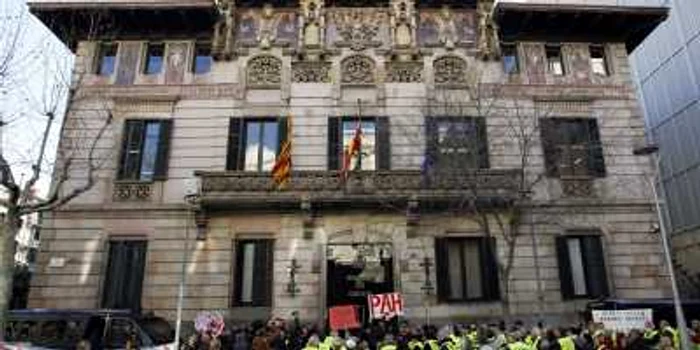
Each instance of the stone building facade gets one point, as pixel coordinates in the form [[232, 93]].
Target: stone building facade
[[203, 91]]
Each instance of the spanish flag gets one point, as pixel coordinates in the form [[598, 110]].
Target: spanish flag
[[354, 148], [282, 171]]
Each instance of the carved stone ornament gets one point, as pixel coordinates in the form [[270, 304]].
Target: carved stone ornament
[[264, 71], [311, 72], [404, 72], [312, 24], [450, 70], [224, 30], [447, 34], [487, 41], [403, 23], [132, 192], [357, 69], [268, 27], [358, 28]]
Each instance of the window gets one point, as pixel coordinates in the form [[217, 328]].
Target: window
[[375, 146], [572, 147], [466, 269], [555, 62], [106, 59], [124, 276], [582, 267], [254, 143], [599, 63], [456, 143], [202, 58], [154, 58], [509, 57], [145, 150], [254, 268]]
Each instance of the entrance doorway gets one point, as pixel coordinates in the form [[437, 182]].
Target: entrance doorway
[[356, 271]]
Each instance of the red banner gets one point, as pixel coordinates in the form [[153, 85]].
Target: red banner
[[385, 306], [343, 317]]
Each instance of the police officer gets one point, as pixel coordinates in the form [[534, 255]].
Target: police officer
[[313, 343], [388, 344]]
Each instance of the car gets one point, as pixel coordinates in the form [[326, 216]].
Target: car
[[100, 329]]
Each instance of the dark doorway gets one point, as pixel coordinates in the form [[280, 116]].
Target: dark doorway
[[124, 276], [349, 283]]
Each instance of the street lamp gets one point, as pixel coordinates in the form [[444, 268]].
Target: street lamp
[[653, 151]]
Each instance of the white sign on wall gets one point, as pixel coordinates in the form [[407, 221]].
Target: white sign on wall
[[624, 320]]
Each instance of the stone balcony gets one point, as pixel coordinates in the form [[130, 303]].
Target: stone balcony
[[230, 189]]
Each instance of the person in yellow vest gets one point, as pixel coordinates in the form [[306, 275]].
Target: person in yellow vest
[[313, 343], [672, 333], [388, 344], [533, 339], [517, 342], [431, 342], [695, 334], [473, 337], [566, 341], [416, 342], [327, 343]]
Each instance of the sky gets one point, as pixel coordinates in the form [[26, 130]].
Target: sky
[[35, 70]]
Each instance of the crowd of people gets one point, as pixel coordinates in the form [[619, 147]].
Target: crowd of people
[[280, 335]]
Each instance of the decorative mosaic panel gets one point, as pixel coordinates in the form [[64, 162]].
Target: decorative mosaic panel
[[264, 72]]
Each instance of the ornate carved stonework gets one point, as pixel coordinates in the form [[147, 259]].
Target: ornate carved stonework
[[447, 34], [135, 191], [403, 23], [358, 28], [450, 70], [404, 72], [224, 30], [488, 42], [577, 186], [312, 26], [264, 72], [266, 28], [311, 72], [357, 69]]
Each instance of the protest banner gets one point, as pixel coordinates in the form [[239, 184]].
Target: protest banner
[[624, 320], [385, 306], [343, 317]]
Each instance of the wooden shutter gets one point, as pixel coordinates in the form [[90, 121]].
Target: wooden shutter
[[489, 268], [237, 274], [124, 278], [234, 160], [594, 265], [548, 137], [442, 272], [334, 143], [567, 283], [132, 142], [262, 279], [483, 143], [596, 160], [161, 170], [383, 144]]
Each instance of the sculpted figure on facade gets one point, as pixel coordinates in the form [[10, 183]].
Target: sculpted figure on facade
[[403, 23], [487, 42], [312, 24], [224, 30], [268, 27], [447, 28]]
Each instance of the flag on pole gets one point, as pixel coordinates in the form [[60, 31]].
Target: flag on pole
[[354, 148], [282, 171]]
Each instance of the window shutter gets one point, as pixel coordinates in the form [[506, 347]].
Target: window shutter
[[233, 158], [383, 144], [549, 146], [483, 143], [594, 265], [237, 274], [567, 283], [489, 268], [431, 144], [132, 141], [161, 170], [442, 272], [596, 160], [262, 279], [334, 145]]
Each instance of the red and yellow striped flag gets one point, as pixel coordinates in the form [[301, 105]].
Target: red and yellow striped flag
[[282, 171]]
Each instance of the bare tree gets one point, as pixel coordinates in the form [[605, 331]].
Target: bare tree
[[74, 169]]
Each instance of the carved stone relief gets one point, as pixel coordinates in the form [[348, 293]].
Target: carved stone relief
[[534, 62], [447, 27], [580, 62], [311, 72], [176, 63], [224, 30], [404, 72], [488, 43], [358, 28], [267, 27], [357, 69], [264, 72], [403, 23], [447, 33], [450, 70], [312, 25]]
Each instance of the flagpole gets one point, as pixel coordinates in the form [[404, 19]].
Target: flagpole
[[359, 126]]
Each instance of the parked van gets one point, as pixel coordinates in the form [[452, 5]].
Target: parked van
[[98, 329]]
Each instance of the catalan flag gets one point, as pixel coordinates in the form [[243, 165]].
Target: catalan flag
[[282, 171], [354, 148]]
